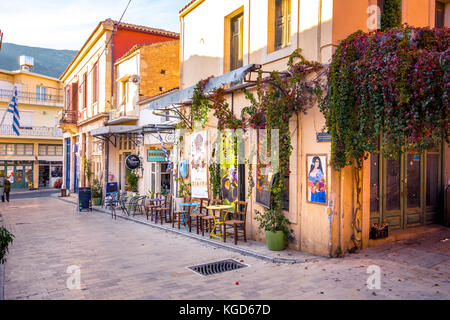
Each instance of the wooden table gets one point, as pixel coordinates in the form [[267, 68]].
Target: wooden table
[[218, 219]]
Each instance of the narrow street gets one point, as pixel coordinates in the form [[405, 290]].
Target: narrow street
[[121, 259]]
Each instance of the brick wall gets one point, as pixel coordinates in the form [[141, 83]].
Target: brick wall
[[159, 68]]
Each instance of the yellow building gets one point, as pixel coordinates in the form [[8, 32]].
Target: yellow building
[[230, 39], [36, 155]]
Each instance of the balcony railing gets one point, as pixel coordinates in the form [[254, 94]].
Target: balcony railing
[[32, 131], [69, 116], [32, 97]]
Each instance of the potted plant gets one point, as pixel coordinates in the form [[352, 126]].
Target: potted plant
[[6, 238], [276, 227], [132, 182], [96, 192], [184, 190]]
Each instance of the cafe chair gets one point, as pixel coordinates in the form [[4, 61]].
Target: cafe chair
[[239, 226], [178, 214], [153, 205], [207, 222], [165, 210], [196, 214]]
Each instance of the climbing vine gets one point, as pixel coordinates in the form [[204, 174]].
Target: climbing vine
[[392, 86], [392, 14]]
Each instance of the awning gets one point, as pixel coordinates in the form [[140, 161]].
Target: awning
[[213, 83], [17, 158], [51, 158], [112, 130]]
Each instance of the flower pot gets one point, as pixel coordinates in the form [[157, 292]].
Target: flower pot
[[276, 240], [96, 201]]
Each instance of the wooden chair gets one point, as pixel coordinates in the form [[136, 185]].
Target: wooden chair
[[165, 210], [207, 222], [153, 205], [197, 215], [236, 222], [177, 215]]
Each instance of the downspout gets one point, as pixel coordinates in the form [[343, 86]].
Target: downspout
[[319, 33]]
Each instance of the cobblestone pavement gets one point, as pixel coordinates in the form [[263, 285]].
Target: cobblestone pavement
[[122, 259]]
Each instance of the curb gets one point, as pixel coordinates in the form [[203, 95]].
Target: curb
[[208, 241]]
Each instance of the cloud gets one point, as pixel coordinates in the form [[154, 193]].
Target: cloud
[[67, 24]]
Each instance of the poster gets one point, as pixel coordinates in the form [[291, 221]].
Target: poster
[[316, 166], [263, 172], [229, 167], [199, 173]]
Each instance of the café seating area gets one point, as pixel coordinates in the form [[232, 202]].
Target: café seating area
[[210, 217]]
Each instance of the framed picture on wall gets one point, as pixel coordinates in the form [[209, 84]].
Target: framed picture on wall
[[316, 178]]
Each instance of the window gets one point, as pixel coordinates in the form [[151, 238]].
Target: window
[[16, 149], [41, 93], [282, 24], [50, 150], [440, 14], [95, 83], [84, 89], [236, 41]]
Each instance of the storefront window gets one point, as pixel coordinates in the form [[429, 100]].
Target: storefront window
[[28, 174], [20, 149], [29, 149], [10, 149], [56, 171], [2, 149]]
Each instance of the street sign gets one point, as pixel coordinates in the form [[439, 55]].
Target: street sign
[[323, 137]]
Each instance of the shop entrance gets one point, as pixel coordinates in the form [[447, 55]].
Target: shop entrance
[[19, 173], [44, 175], [406, 192]]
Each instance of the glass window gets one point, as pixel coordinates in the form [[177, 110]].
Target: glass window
[[2, 149], [42, 150], [236, 43], [413, 181], [440, 14], [59, 150], [51, 150], [282, 23], [28, 174], [20, 149], [10, 149], [29, 149], [392, 185], [374, 183], [432, 179]]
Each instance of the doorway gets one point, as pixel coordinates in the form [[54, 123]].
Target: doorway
[[44, 175], [406, 192]]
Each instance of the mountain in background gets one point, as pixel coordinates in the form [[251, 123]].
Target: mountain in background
[[49, 62]]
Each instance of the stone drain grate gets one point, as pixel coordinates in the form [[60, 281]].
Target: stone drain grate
[[211, 268]]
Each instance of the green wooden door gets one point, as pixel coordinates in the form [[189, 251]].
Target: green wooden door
[[406, 192]]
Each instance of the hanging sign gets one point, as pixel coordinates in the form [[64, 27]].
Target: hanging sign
[[132, 162], [156, 156]]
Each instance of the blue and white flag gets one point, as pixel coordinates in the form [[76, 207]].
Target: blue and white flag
[[13, 108]]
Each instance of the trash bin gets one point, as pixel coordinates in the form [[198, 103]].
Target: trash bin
[[63, 193]]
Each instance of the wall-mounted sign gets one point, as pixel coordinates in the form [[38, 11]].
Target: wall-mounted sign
[[323, 137], [132, 162], [156, 156]]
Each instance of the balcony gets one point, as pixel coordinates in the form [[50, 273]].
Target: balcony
[[38, 131], [123, 114], [68, 121], [27, 97]]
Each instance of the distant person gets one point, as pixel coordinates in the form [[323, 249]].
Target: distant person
[[2, 187], [7, 189]]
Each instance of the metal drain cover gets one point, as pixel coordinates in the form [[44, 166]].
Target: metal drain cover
[[208, 269]]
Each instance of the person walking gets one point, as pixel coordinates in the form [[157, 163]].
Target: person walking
[[2, 186], [7, 189]]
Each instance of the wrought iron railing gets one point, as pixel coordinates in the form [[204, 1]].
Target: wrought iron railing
[[32, 131], [32, 97]]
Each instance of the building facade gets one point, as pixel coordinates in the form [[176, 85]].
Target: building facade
[[224, 39], [34, 158], [89, 97]]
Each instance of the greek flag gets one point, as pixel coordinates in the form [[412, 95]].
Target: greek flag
[[12, 107]]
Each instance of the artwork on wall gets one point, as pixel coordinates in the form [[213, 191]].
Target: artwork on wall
[[316, 177], [228, 169], [199, 173], [263, 172]]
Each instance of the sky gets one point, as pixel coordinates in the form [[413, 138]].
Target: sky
[[67, 24]]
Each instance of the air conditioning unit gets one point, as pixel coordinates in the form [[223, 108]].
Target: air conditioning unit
[[135, 79]]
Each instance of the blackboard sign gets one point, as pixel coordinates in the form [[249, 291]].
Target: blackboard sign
[[84, 199], [132, 162], [323, 137]]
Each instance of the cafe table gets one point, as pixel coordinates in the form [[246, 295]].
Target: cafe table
[[218, 221], [183, 207], [157, 202]]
